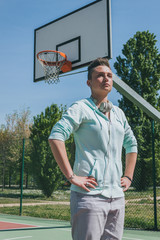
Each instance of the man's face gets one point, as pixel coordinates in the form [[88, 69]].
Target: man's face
[[101, 82]]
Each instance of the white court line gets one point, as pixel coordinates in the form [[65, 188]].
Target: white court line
[[17, 238], [131, 238], [65, 230]]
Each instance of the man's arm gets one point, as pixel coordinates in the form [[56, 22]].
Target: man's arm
[[59, 152], [129, 170]]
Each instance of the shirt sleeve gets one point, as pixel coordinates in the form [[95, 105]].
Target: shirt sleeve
[[68, 124], [130, 142]]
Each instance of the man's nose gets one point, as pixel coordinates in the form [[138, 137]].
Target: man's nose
[[105, 78]]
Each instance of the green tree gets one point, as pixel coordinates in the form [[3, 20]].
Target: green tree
[[46, 171], [16, 128], [4, 150], [139, 67], [18, 125]]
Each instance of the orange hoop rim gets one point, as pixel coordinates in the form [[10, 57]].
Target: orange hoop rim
[[52, 63]]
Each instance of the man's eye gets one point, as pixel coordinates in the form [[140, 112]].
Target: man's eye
[[100, 75]]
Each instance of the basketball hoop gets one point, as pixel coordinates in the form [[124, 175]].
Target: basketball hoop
[[53, 62]]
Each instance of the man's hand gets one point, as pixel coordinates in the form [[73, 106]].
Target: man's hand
[[125, 183], [84, 182]]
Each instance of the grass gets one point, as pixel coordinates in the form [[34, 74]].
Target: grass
[[132, 194], [17, 200], [61, 212], [32, 195], [141, 216]]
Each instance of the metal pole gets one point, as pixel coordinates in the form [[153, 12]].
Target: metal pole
[[154, 176], [22, 169]]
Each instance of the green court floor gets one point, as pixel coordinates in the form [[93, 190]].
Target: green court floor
[[57, 230]]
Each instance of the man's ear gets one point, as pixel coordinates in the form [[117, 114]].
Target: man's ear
[[89, 83]]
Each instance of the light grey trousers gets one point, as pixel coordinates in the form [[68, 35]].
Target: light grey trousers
[[94, 217]]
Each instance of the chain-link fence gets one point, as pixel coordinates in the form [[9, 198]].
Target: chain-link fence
[[11, 157], [142, 199]]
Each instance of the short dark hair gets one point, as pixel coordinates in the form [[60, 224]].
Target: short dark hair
[[97, 62]]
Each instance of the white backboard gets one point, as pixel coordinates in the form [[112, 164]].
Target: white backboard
[[83, 35]]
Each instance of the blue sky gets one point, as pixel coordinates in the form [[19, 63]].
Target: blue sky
[[19, 18]]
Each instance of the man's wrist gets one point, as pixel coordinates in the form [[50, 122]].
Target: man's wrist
[[71, 177], [128, 178]]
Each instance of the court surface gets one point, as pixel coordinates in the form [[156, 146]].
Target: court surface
[[28, 228]]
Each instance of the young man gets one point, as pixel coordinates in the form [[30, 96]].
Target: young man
[[100, 131]]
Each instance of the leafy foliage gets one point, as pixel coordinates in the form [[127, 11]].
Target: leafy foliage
[[140, 69], [46, 170], [11, 135]]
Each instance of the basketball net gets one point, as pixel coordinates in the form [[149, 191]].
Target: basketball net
[[52, 62]]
